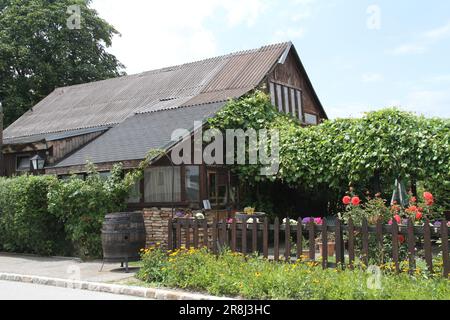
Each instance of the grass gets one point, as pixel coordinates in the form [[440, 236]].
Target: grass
[[231, 274]]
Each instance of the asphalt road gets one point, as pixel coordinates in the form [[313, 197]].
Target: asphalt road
[[27, 291]]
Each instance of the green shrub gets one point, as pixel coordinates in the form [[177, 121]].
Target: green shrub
[[81, 206], [25, 223], [232, 274]]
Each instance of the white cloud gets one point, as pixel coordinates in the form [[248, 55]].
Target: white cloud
[[288, 34], [372, 77], [350, 110], [239, 12], [162, 33], [429, 102], [438, 33], [423, 42], [410, 48]]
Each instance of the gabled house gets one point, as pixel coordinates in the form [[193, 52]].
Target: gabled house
[[121, 119]]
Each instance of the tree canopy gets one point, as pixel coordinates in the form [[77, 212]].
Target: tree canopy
[[366, 152], [39, 52]]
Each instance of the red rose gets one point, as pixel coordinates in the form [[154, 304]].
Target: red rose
[[398, 218], [346, 200], [428, 196], [401, 238], [429, 202], [419, 215], [356, 201], [413, 200]]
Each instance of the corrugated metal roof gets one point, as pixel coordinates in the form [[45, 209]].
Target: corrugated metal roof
[[110, 102], [133, 138], [53, 136]]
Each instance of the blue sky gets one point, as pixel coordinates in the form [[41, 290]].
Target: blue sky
[[360, 55]]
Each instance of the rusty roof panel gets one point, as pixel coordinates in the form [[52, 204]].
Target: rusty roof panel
[[110, 102]]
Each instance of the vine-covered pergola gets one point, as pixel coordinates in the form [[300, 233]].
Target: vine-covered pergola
[[368, 153]]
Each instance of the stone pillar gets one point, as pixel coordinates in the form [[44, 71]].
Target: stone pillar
[[156, 226]]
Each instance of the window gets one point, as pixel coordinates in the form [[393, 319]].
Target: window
[[279, 98], [23, 163], [135, 193], [218, 188], [311, 118], [294, 104], [192, 183], [287, 105], [104, 175], [158, 184], [299, 104], [287, 99], [272, 93]]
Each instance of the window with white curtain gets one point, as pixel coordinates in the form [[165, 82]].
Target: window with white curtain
[[158, 184], [192, 183], [23, 163]]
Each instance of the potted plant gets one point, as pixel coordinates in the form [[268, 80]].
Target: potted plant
[[331, 244]]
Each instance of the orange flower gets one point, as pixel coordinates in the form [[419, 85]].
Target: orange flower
[[346, 200], [356, 201]]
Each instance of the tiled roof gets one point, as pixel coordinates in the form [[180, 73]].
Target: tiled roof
[[110, 102], [133, 138]]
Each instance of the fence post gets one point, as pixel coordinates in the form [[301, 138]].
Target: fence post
[[287, 240], [445, 257], [299, 238], [224, 236], [188, 233], [196, 233], [214, 236], [411, 247], [244, 236], [205, 233], [312, 241], [351, 243], [324, 244], [276, 240], [178, 232], [170, 235], [266, 238], [365, 242], [338, 243], [233, 236], [380, 240], [395, 245], [427, 245], [255, 235]]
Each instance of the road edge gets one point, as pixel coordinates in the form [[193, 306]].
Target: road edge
[[148, 293]]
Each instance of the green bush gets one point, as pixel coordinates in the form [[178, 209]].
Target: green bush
[[231, 274], [25, 223], [81, 206]]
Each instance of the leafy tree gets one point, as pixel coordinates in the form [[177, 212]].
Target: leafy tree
[[39, 52]]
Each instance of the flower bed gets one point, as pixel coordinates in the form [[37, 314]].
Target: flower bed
[[231, 274]]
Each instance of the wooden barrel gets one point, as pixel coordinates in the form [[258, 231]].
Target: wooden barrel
[[123, 236]]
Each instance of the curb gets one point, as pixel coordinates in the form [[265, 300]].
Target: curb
[[149, 293]]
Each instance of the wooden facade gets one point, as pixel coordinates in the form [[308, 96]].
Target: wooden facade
[[53, 151], [215, 182]]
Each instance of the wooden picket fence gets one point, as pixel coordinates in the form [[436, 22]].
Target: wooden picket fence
[[216, 235]]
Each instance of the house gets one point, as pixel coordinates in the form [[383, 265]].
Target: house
[[121, 119]]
